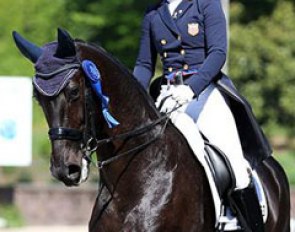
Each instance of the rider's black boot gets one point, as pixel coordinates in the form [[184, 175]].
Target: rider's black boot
[[248, 209]]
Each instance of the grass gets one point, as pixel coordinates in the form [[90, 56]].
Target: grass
[[287, 160], [11, 215]]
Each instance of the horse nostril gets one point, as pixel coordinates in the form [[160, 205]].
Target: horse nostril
[[74, 172]]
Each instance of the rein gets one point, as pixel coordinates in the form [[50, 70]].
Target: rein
[[131, 134]]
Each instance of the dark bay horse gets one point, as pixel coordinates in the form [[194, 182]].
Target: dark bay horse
[[150, 180]]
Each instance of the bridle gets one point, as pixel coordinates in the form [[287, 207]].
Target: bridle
[[88, 136]]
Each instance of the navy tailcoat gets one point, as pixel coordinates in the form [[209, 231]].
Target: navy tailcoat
[[194, 38]]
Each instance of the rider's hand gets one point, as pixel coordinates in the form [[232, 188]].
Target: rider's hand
[[165, 103], [168, 105], [182, 94], [173, 96]]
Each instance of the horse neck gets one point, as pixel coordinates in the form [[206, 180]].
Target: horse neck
[[131, 106]]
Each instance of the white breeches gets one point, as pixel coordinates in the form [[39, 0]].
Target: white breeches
[[214, 119]]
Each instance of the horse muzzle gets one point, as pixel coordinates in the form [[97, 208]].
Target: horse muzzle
[[70, 174], [68, 164]]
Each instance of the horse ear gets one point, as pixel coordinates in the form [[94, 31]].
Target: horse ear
[[66, 45], [28, 49]]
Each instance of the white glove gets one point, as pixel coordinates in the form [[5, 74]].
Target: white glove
[[168, 105], [165, 100], [182, 94], [164, 93], [173, 96]]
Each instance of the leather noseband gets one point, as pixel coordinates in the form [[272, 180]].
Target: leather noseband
[[65, 133]]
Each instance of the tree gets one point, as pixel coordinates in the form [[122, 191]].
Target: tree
[[115, 24], [254, 9], [262, 63], [37, 20]]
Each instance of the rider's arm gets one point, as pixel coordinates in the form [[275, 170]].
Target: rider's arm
[[145, 64], [215, 45]]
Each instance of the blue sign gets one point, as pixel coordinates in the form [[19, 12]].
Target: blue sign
[[15, 121], [8, 129]]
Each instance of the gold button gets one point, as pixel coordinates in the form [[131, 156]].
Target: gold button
[[179, 37], [185, 67], [170, 69], [165, 54], [163, 42], [182, 52]]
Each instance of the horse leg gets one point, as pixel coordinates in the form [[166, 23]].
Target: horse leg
[[276, 187]]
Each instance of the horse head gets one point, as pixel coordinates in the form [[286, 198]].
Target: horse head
[[72, 109]]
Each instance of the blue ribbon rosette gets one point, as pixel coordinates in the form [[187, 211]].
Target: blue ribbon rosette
[[94, 77]]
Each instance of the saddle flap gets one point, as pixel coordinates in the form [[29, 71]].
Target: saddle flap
[[221, 169]]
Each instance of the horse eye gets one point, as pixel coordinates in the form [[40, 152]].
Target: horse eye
[[74, 94]]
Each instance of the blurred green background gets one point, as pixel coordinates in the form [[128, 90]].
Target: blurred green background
[[261, 61]]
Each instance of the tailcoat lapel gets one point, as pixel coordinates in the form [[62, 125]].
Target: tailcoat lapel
[[167, 18], [183, 7]]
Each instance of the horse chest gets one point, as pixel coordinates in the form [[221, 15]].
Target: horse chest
[[143, 215], [157, 195]]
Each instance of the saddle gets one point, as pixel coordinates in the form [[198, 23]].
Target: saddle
[[221, 170]]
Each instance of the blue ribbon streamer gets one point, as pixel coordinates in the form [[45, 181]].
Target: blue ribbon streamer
[[94, 76], [184, 73]]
